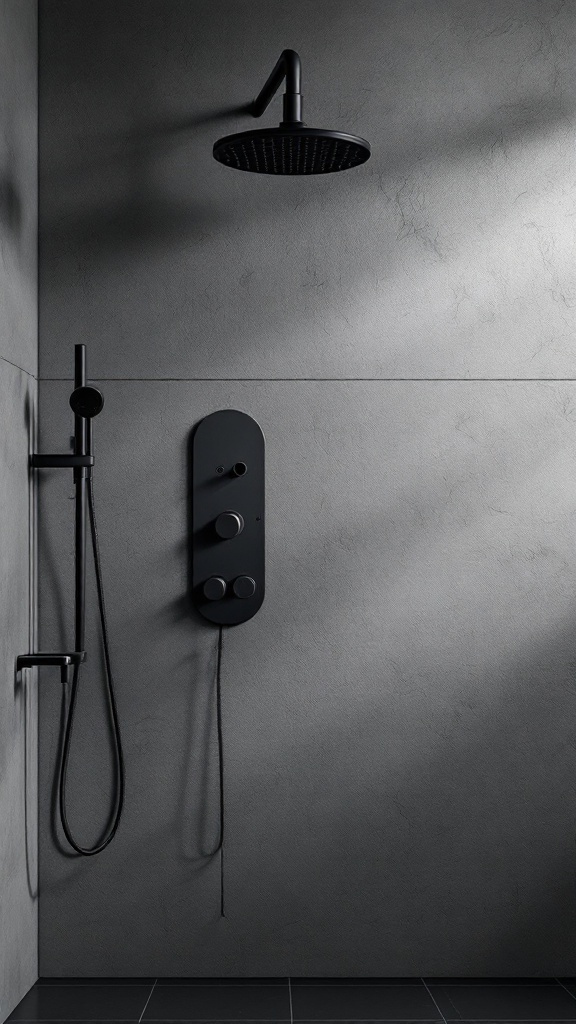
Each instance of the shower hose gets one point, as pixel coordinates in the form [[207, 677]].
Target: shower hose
[[116, 813]]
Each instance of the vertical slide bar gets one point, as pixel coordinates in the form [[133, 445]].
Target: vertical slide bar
[[80, 508]]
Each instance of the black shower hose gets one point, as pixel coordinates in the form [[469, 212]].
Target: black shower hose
[[116, 813]]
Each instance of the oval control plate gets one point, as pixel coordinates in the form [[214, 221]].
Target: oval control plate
[[223, 442]]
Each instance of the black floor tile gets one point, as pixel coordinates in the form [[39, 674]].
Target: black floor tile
[[96, 981], [219, 1002], [223, 981], [82, 1002], [356, 981], [433, 982], [505, 1002], [362, 1002]]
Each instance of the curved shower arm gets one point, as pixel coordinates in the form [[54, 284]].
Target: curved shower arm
[[288, 66]]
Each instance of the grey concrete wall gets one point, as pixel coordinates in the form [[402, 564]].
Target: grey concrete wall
[[399, 717], [18, 388]]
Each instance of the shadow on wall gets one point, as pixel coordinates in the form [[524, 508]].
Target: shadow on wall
[[123, 191], [427, 821], [404, 833], [10, 204], [117, 201]]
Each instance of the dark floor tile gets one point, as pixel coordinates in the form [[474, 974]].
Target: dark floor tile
[[96, 981], [489, 981], [505, 1002], [223, 981], [82, 1002], [219, 1002], [362, 1002], [356, 981]]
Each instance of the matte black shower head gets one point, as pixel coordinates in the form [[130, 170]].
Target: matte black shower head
[[86, 402], [292, 148]]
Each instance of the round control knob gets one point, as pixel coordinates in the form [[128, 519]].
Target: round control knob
[[214, 588], [243, 587], [229, 525]]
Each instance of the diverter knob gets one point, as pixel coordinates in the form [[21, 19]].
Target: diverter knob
[[229, 525], [214, 588], [244, 587]]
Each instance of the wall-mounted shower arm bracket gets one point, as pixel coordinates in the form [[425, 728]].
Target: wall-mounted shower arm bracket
[[60, 659], [61, 461], [288, 66]]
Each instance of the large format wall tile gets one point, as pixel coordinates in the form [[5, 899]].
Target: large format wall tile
[[19, 183], [450, 254], [398, 718], [18, 719], [18, 388]]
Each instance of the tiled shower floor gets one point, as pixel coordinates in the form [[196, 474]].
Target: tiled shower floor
[[299, 999]]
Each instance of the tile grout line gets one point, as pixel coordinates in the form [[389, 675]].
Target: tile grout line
[[313, 380], [290, 998], [148, 1000], [433, 1000], [558, 982]]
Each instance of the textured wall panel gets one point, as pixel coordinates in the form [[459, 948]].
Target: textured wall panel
[[18, 718], [18, 388], [19, 182], [450, 254], [398, 718]]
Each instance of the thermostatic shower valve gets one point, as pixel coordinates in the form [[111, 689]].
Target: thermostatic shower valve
[[228, 517]]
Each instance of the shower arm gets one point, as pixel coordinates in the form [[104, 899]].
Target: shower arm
[[288, 66]]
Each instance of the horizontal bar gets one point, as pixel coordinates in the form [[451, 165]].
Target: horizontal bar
[[45, 658], [60, 461]]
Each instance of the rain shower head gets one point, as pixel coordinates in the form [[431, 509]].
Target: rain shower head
[[292, 148]]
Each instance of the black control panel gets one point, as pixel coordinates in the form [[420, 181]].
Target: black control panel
[[228, 517]]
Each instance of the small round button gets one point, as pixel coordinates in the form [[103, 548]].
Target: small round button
[[243, 587], [229, 525], [214, 588]]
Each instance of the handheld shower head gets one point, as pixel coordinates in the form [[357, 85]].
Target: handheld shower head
[[292, 148], [86, 402]]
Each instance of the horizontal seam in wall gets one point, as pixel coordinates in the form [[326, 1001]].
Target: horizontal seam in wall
[[17, 367], [321, 380]]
